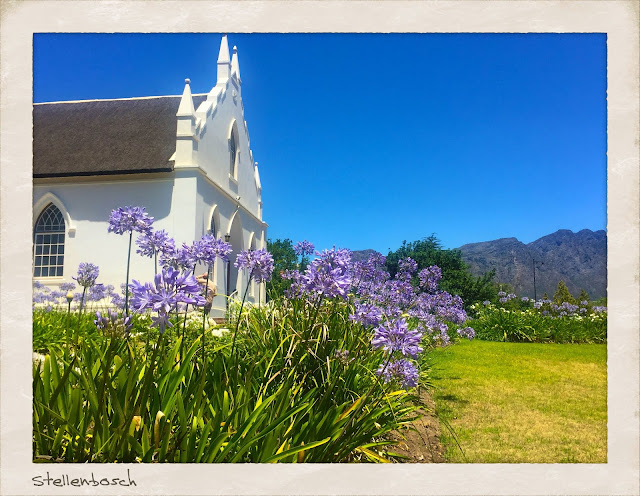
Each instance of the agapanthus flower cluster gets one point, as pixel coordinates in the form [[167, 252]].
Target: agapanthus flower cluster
[[67, 286], [403, 371], [467, 332], [406, 268], [204, 251], [112, 325], [328, 275], [87, 274], [129, 219], [398, 313], [366, 314], [169, 289], [396, 336], [151, 243], [98, 292], [430, 277], [258, 263], [303, 248], [367, 276]]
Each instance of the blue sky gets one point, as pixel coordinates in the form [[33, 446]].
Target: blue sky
[[366, 140]]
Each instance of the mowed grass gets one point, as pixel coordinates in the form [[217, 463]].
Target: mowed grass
[[522, 402]]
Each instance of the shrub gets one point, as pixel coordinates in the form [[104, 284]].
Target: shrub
[[541, 321]]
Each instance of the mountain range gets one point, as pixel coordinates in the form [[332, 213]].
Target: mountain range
[[579, 259]]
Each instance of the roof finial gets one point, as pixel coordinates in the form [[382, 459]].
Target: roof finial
[[235, 67], [223, 59], [186, 107]]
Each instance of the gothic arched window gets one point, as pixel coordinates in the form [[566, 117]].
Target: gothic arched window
[[48, 243], [232, 154], [212, 226]]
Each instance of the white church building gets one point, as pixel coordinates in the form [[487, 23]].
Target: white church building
[[186, 159]]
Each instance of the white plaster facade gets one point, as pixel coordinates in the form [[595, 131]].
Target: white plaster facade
[[202, 188]]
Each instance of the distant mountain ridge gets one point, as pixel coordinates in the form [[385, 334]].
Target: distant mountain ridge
[[579, 259]]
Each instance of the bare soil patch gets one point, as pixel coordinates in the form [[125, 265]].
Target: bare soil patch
[[419, 442]]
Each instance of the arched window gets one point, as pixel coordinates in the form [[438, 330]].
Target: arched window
[[212, 227], [48, 243], [232, 154]]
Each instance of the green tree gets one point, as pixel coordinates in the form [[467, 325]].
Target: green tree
[[456, 278], [584, 296], [562, 294], [284, 258]]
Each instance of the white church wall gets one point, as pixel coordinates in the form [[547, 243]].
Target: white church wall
[[227, 214], [89, 203], [213, 154]]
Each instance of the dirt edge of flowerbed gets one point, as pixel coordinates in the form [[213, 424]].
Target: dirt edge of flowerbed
[[419, 441]]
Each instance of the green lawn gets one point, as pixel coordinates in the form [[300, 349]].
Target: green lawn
[[521, 402]]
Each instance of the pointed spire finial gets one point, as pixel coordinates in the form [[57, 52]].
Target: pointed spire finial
[[186, 107], [223, 59], [235, 67]]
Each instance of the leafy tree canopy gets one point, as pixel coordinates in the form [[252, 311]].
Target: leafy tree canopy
[[456, 278], [284, 258]]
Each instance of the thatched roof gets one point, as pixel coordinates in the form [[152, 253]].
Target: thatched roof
[[105, 136]]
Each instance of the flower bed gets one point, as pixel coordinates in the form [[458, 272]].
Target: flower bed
[[323, 374]]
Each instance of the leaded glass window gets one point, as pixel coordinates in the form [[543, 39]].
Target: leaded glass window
[[48, 243]]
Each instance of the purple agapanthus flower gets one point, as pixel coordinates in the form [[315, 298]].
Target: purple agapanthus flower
[[117, 301], [153, 242], [525, 299], [170, 288], [467, 332], [329, 274], [209, 248], [430, 277], [403, 371], [366, 314], [397, 337], [303, 248], [502, 293], [129, 219], [67, 286], [258, 263], [87, 274], [98, 292], [406, 267]]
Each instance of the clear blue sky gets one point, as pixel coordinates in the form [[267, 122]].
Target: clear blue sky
[[366, 140]]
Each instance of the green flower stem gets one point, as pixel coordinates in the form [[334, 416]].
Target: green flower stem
[[235, 334], [204, 310], [126, 298], [184, 325]]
